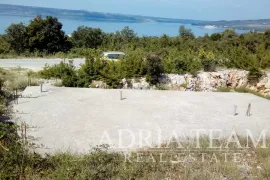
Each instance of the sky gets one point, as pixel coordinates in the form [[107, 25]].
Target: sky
[[182, 9]]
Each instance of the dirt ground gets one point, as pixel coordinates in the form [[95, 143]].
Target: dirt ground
[[76, 119]]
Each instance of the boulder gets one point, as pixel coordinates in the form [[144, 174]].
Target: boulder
[[139, 83], [267, 85], [98, 84]]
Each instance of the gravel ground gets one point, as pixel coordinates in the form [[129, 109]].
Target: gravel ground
[[34, 64], [75, 119]]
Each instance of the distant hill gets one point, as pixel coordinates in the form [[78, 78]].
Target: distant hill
[[257, 25], [29, 11]]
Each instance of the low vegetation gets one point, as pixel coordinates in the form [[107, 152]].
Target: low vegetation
[[246, 90], [19, 78], [242, 90], [17, 162], [146, 56]]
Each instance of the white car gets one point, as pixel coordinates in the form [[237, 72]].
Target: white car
[[113, 55]]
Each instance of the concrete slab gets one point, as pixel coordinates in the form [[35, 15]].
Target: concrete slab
[[77, 119]]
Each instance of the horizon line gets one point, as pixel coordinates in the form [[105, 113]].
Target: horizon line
[[132, 14]]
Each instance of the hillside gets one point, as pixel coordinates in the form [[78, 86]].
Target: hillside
[[83, 15], [257, 25], [15, 10]]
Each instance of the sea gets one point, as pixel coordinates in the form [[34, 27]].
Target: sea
[[142, 29]]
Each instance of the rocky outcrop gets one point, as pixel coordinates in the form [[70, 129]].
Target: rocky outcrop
[[204, 81], [210, 81], [98, 84], [138, 83], [263, 86]]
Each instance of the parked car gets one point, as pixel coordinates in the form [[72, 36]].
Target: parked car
[[113, 55]]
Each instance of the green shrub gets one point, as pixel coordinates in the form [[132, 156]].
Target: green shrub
[[209, 65], [153, 68], [162, 87], [184, 85], [254, 75], [246, 90], [223, 89], [58, 83], [4, 45]]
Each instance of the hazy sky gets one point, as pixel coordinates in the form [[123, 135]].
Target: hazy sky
[[185, 9]]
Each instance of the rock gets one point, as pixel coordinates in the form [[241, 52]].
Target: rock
[[139, 83], [173, 80], [264, 82], [204, 81], [267, 91], [124, 83], [253, 88], [98, 84], [267, 85], [260, 86]]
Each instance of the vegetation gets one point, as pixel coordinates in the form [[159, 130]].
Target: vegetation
[[146, 56], [18, 79], [41, 35], [154, 68], [184, 53], [242, 90], [246, 90], [17, 162], [87, 37]]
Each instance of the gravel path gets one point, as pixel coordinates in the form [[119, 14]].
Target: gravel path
[[75, 119], [35, 64]]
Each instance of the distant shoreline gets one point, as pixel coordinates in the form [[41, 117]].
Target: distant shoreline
[[82, 15]]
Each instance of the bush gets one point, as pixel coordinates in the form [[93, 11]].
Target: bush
[[223, 89], [162, 87], [209, 65], [154, 68], [58, 83], [246, 90], [184, 85], [4, 46], [254, 75]]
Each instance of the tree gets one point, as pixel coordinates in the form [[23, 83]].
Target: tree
[[16, 37], [128, 34], [4, 45], [46, 35], [215, 37], [89, 71], [87, 37], [122, 39], [186, 33], [229, 34], [267, 38], [154, 68]]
